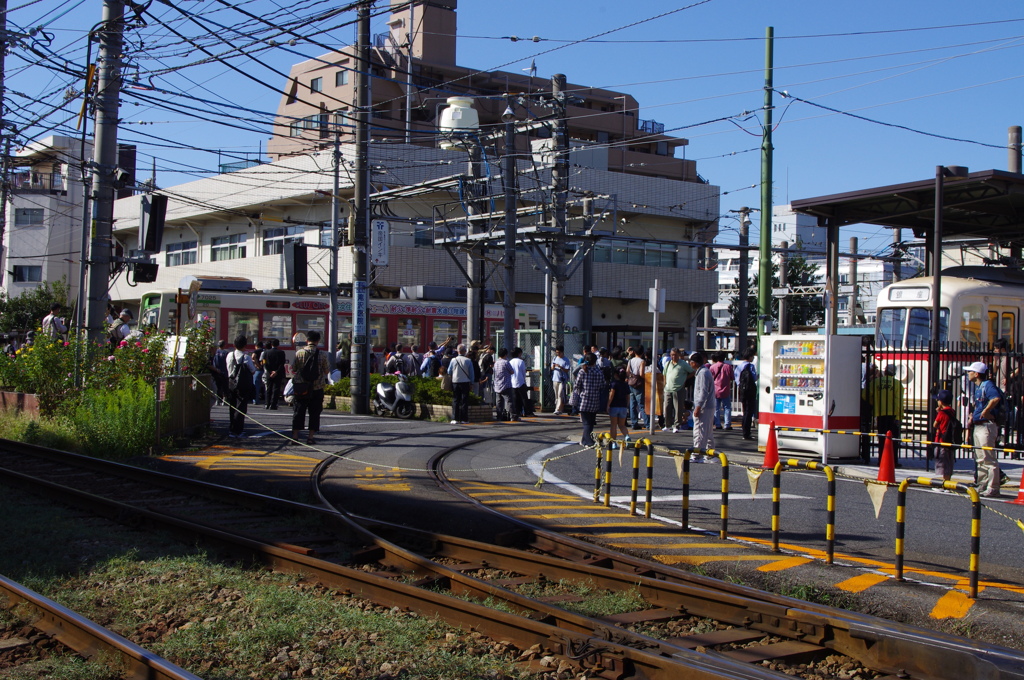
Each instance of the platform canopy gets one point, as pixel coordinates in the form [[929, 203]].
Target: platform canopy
[[988, 204]]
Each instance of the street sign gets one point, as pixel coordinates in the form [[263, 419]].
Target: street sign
[[380, 242], [782, 292], [359, 313], [656, 300]]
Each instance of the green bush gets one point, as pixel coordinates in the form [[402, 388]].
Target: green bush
[[116, 424], [424, 390]]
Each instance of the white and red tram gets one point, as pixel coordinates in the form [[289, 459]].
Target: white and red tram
[[288, 316]]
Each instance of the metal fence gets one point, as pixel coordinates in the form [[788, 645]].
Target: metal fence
[[912, 369]]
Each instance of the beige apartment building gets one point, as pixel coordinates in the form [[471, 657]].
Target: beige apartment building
[[652, 209]]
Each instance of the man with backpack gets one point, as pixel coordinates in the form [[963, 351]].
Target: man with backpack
[[54, 326], [985, 421], [309, 375], [746, 381], [119, 329], [240, 371]]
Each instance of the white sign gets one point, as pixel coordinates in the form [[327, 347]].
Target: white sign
[[781, 292], [380, 242], [656, 300]]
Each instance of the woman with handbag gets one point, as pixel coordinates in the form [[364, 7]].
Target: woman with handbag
[[310, 368]]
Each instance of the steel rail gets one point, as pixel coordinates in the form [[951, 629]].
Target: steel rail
[[89, 639], [878, 643], [560, 632]]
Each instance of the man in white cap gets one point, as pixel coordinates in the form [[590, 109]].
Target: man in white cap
[[987, 405]]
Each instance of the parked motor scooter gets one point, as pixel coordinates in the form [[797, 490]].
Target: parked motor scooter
[[394, 398]]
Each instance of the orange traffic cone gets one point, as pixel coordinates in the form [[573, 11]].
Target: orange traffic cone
[[887, 463], [1020, 492], [771, 451]]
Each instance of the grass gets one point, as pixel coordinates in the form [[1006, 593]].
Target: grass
[[594, 602], [217, 619]]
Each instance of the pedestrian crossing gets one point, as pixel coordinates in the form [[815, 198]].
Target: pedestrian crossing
[[664, 541]]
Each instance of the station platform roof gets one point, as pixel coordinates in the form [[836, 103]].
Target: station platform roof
[[987, 204]]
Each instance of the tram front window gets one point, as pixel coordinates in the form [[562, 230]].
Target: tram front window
[[915, 323]]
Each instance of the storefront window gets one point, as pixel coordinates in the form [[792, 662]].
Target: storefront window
[[243, 323]]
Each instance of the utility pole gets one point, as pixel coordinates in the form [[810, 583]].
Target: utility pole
[[108, 92], [559, 194], [6, 132], [743, 278], [853, 280], [474, 290], [332, 281], [764, 287], [360, 383], [508, 179]]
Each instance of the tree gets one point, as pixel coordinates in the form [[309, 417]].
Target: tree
[[26, 311], [804, 310]]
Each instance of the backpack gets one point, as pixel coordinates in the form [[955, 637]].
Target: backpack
[[241, 379], [999, 413], [392, 365], [956, 431], [311, 368], [114, 333], [748, 385]]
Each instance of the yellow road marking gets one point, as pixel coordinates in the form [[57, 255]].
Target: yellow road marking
[[672, 546], [700, 559], [787, 563], [574, 515], [601, 525], [952, 605], [861, 582], [386, 486], [532, 507]]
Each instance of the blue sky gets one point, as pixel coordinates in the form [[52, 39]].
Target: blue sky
[[696, 62]]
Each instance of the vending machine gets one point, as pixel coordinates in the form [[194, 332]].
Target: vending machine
[[810, 383]]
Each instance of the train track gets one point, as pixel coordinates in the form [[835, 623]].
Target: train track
[[449, 578], [86, 638]]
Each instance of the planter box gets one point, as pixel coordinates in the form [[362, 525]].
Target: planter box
[[477, 414], [19, 401]]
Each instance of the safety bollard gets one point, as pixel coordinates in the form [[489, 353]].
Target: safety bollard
[[830, 519], [901, 518], [649, 500], [724, 531], [597, 472], [607, 473], [634, 485]]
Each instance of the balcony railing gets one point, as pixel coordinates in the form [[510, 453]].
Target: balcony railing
[[650, 127], [37, 181]]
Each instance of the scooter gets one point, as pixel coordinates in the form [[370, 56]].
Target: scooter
[[394, 398]]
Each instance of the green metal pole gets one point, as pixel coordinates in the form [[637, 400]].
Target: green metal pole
[[764, 287]]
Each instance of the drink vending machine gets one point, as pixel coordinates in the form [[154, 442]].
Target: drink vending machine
[[798, 376]]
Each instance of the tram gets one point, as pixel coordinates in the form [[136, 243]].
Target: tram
[[234, 308], [978, 305]]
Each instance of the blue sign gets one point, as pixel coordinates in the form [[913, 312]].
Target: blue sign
[[359, 311], [785, 403]]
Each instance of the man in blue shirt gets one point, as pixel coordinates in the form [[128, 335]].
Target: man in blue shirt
[[984, 428]]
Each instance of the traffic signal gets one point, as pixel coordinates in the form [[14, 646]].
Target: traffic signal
[[151, 222], [295, 271]]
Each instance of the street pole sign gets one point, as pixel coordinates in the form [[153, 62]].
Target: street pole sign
[[380, 242]]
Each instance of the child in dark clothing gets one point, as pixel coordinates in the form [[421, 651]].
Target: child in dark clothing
[[942, 432]]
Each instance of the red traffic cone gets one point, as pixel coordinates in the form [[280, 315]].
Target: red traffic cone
[[771, 451], [887, 463], [1020, 493]]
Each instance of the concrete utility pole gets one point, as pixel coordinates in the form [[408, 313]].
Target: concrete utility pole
[[559, 195], [108, 91], [1013, 149], [474, 289], [743, 279], [509, 180], [854, 242], [360, 383], [332, 282], [5, 131], [764, 287]]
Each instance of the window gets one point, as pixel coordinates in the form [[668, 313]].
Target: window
[[316, 85], [341, 78], [1008, 324], [409, 331], [317, 121], [443, 329], [970, 323], [277, 325], [228, 248], [27, 274], [28, 217], [185, 252], [304, 323], [274, 239], [243, 323]]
